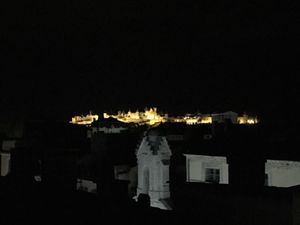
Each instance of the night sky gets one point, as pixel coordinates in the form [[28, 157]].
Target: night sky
[[74, 56]]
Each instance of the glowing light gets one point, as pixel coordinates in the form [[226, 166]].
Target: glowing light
[[191, 121], [84, 120], [106, 116], [245, 119], [250, 121], [206, 119], [152, 117]]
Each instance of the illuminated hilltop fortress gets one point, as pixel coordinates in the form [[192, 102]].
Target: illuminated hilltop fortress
[[84, 120], [152, 117]]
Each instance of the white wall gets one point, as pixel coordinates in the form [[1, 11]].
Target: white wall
[[197, 164], [86, 185], [5, 163], [153, 172], [7, 145], [282, 173], [195, 170]]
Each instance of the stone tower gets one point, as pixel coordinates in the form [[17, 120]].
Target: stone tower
[[153, 157]]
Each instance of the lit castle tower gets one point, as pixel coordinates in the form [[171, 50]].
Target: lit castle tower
[[153, 157]]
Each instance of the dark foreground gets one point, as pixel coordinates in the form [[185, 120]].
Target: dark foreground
[[40, 205]]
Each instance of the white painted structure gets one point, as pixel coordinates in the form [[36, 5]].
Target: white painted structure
[[86, 185], [7, 145], [206, 169], [5, 163], [281, 173], [153, 157]]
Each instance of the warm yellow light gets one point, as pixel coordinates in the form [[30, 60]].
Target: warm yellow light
[[245, 119], [207, 119], [84, 120], [152, 117], [250, 121], [191, 121]]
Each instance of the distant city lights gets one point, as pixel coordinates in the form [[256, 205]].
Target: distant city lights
[[152, 117]]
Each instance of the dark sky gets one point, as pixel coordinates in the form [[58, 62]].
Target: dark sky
[[69, 57]]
